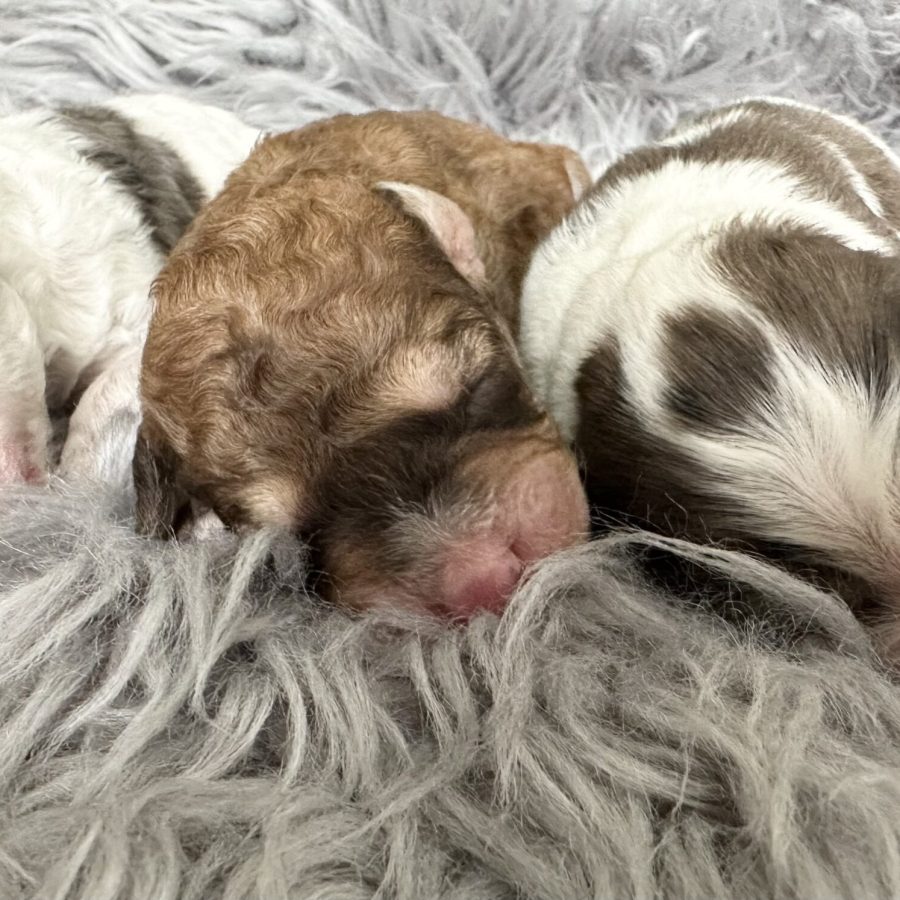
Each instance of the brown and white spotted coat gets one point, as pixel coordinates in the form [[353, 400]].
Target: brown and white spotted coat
[[716, 326]]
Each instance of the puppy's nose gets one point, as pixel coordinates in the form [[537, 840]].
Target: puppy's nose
[[485, 583], [541, 508]]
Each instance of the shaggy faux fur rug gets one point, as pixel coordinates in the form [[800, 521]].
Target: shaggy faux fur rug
[[185, 722]]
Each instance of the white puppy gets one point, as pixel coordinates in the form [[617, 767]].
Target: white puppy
[[91, 201], [717, 326]]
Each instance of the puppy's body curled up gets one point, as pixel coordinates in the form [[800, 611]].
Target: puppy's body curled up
[[91, 200], [331, 351], [717, 326]]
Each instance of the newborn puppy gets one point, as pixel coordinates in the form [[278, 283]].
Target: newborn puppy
[[717, 327], [331, 352], [91, 200]]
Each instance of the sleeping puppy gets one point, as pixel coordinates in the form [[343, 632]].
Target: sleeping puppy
[[91, 200], [331, 351], [717, 327]]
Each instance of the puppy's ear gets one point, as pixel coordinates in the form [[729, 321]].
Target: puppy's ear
[[160, 504], [576, 172], [559, 180], [448, 224]]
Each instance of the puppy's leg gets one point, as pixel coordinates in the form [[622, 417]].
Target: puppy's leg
[[203, 525], [24, 422], [102, 429]]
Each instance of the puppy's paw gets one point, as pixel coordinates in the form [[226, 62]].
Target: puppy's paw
[[101, 453], [102, 430], [21, 461], [204, 525]]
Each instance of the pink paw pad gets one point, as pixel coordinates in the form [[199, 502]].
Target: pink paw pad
[[17, 464]]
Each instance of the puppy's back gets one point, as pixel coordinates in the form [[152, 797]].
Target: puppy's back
[[717, 326], [646, 226], [212, 142]]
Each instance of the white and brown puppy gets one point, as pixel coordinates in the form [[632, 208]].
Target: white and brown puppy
[[331, 351], [91, 200], [717, 326]]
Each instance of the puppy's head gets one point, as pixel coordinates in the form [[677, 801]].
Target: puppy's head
[[325, 357]]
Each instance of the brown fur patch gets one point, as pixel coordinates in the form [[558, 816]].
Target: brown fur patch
[[842, 305], [805, 125], [717, 369], [515, 193]]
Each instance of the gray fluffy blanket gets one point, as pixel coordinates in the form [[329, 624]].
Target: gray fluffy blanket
[[186, 722]]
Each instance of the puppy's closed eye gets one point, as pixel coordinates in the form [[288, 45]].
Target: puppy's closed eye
[[497, 399]]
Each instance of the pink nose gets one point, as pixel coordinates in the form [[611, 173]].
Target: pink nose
[[540, 509], [487, 584]]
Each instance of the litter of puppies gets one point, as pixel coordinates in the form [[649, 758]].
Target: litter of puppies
[[394, 333]]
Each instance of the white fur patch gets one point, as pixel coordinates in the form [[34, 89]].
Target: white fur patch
[[24, 423], [76, 260], [857, 180]]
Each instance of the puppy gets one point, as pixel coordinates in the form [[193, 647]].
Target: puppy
[[331, 351], [91, 200], [717, 327]]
